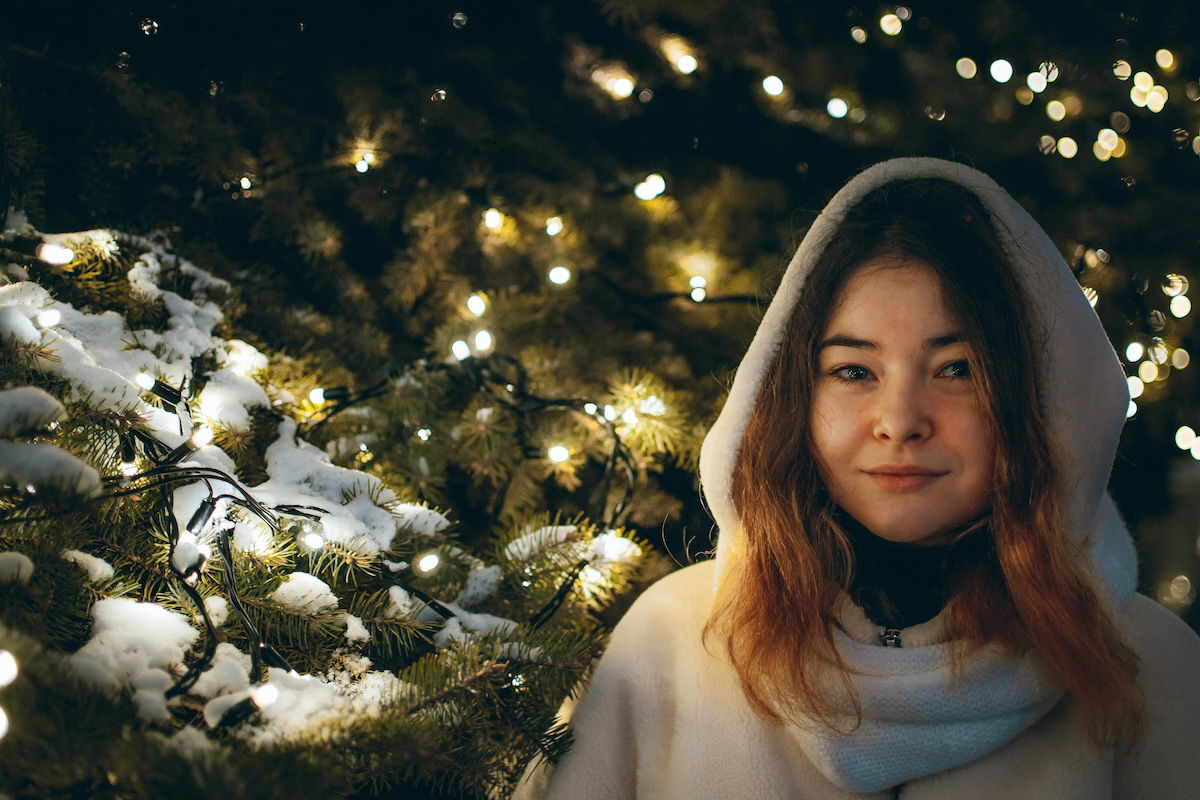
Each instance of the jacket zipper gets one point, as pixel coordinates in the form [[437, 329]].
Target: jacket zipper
[[890, 637]]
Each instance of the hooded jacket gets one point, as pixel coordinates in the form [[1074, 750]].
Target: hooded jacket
[[666, 718]]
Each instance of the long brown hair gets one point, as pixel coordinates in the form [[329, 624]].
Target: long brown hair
[[1026, 588]]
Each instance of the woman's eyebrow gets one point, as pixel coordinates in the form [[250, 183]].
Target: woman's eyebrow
[[932, 343]]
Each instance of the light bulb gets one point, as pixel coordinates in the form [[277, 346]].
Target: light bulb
[[317, 396], [313, 541], [773, 85], [128, 468], [493, 219], [837, 108], [245, 182], [362, 165], [1134, 351], [554, 226], [49, 317], [8, 668], [144, 380], [630, 417], [1001, 71], [55, 254], [558, 454], [656, 182], [589, 408], [424, 433], [699, 293], [698, 282], [461, 350], [202, 436], [265, 694], [559, 275], [483, 341], [477, 305], [643, 191], [428, 563], [966, 68]]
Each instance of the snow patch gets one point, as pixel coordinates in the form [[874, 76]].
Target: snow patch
[[25, 410], [15, 568], [97, 569], [306, 593]]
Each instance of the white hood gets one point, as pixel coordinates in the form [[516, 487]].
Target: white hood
[[916, 721], [1082, 380]]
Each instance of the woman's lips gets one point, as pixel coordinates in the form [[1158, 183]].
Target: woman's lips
[[903, 480]]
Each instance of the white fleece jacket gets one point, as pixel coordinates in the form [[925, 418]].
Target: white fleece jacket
[[665, 718]]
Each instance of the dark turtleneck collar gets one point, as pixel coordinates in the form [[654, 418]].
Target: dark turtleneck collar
[[895, 583]]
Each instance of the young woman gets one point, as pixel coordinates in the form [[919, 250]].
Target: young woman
[[921, 588]]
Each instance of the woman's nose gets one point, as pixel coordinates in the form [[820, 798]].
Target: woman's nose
[[902, 413]]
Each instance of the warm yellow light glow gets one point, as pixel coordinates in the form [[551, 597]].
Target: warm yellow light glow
[[837, 108], [559, 275], [1134, 351], [428, 563], [1180, 589], [558, 453], [1165, 59], [966, 68], [699, 293], [651, 187], [3, 724], [1156, 98], [554, 226], [1001, 71], [773, 85], [1122, 70], [493, 219], [858, 34], [615, 80], [1143, 81], [1067, 147], [1185, 437], [1148, 371], [1180, 359], [698, 282], [1180, 306], [687, 64], [890, 24], [679, 53], [483, 341], [460, 350], [55, 254], [1100, 152], [1196, 452], [1055, 110], [1036, 81], [1136, 387], [477, 305], [1119, 150], [1107, 138]]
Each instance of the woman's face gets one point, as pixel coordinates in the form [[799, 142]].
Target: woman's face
[[901, 435]]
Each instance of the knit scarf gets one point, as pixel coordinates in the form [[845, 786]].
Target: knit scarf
[[917, 719]]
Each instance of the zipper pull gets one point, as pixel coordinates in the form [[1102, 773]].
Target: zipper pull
[[890, 637]]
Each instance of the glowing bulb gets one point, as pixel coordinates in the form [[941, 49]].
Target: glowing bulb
[[317, 396], [1180, 359], [837, 108], [49, 317], [890, 24], [620, 87], [1067, 147], [656, 182], [1185, 437], [698, 282], [1129, 412], [1036, 81], [265, 694], [428, 563], [424, 433], [144, 380], [559, 275], [686, 64], [1136, 386], [966, 68], [1107, 138], [55, 254], [1134, 351], [368, 157], [858, 34], [8, 668], [1165, 59], [610, 413], [202, 436], [630, 417], [773, 85], [128, 468], [653, 405], [313, 541], [483, 341], [477, 305], [493, 219], [1122, 70], [245, 182], [1180, 306], [698, 294], [362, 165], [1196, 450], [1148, 371], [1143, 81], [1001, 71], [1055, 110], [554, 226], [643, 191], [558, 454], [589, 408], [461, 350]]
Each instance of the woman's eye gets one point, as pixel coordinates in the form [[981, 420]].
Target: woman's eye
[[957, 369], [851, 373]]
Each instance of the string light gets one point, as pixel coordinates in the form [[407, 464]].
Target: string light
[[629, 417], [890, 24], [1180, 359], [8, 668], [554, 226], [477, 305], [699, 293], [1148, 371], [559, 275], [837, 108], [558, 453], [265, 694], [773, 85], [1001, 71], [424, 434], [164, 391], [428, 563], [3, 724], [615, 80], [1180, 306], [589, 408], [55, 254], [1131, 411], [320, 395], [966, 68], [1036, 81], [461, 350], [1055, 110], [1134, 351], [362, 165], [493, 219], [1136, 386], [49, 317], [651, 187], [1067, 148], [1185, 437], [858, 34], [1122, 70], [128, 469], [1165, 59], [312, 540], [483, 341]]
